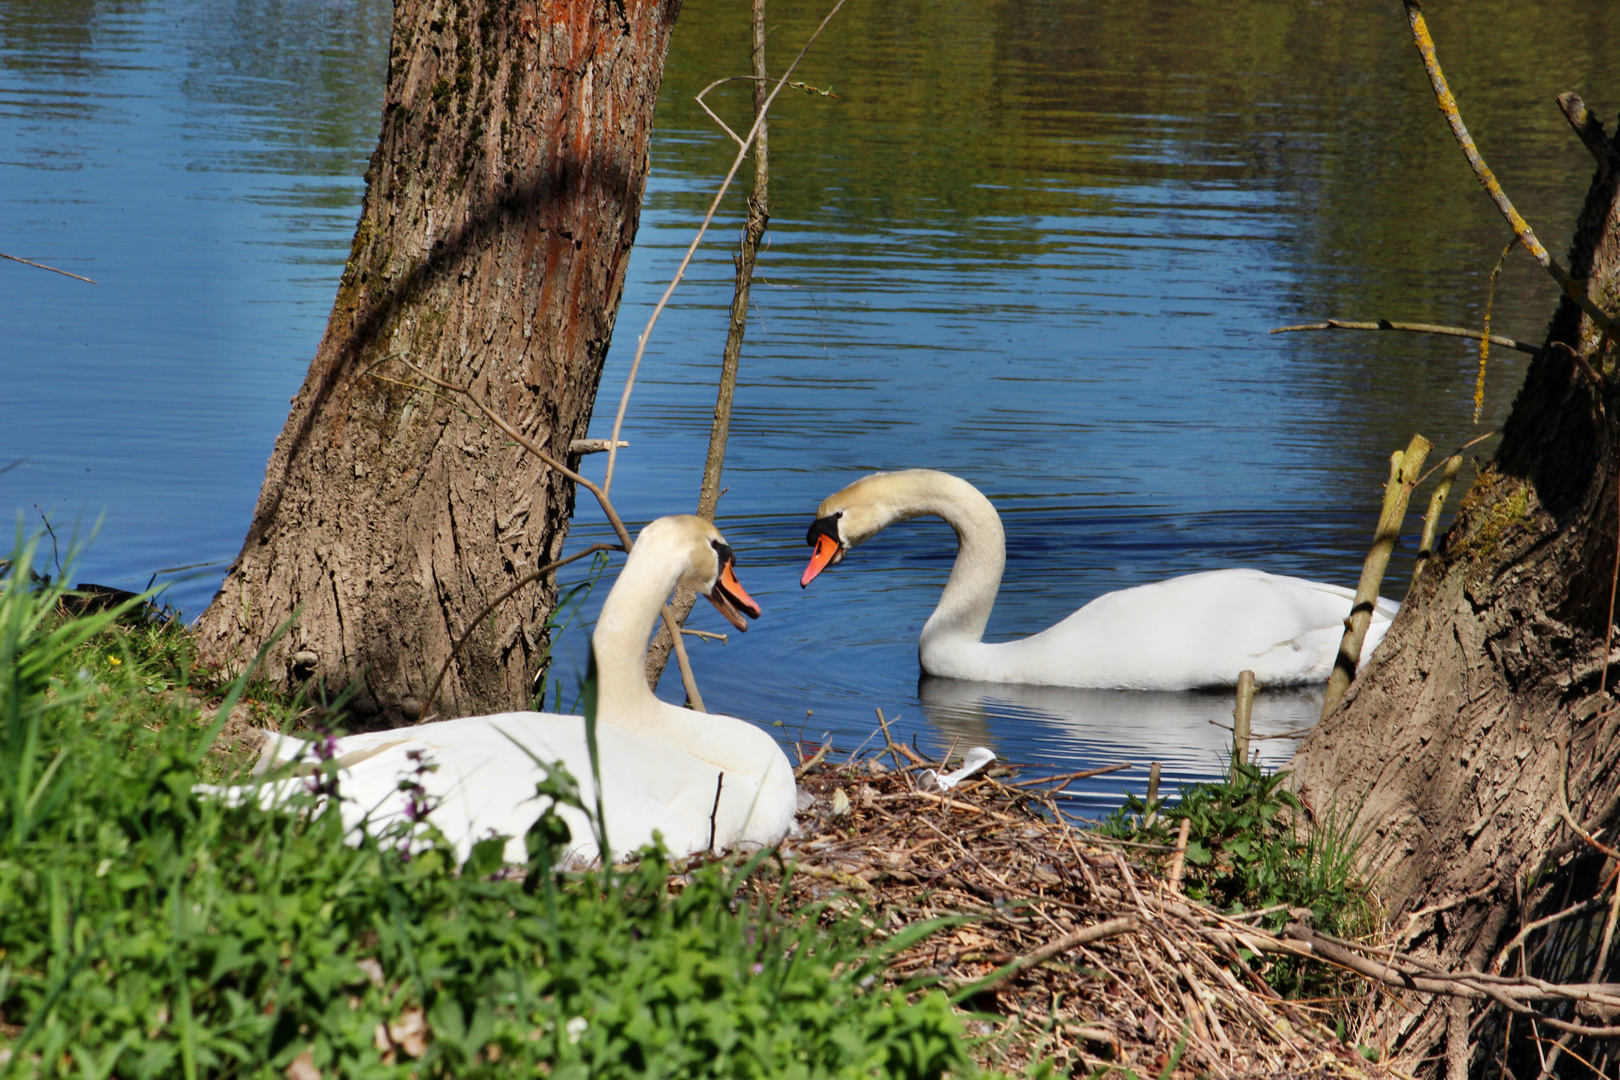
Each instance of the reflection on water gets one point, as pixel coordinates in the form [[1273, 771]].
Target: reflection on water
[[1036, 243], [1106, 727], [203, 162]]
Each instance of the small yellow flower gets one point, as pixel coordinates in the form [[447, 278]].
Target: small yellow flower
[[114, 661]]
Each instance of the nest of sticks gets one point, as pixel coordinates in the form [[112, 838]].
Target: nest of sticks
[[1074, 950]]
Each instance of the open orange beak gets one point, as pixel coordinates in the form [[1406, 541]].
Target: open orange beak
[[730, 598], [827, 554]]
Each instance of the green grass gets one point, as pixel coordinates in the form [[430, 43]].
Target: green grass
[[146, 931]]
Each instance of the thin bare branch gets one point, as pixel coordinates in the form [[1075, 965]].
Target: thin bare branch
[[1083, 936], [755, 78], [52, 269], [747, 257], [590, 446], [1412, 328], [1410, 973], [694, 700], [528, 444], [1583, 908], [1066, 778], [1475, 441], [1487, 179], [680, 272], [1437, 503]]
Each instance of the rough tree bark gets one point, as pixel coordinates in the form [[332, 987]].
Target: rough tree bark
[[492, 247], [1451, 746]]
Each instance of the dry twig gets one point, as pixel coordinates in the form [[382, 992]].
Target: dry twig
[[1413, 328], [42, 266], [680, 271]]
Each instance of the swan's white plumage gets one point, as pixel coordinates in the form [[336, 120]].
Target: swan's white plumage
[[1199, 630], [660, 764]]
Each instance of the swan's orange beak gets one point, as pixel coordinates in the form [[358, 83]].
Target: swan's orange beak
[[730, 598], [827, 554]]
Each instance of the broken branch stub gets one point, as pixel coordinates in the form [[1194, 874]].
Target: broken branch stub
[[1404, 469]]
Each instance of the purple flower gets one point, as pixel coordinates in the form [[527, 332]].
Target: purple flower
[[323, 781], [418, 803]]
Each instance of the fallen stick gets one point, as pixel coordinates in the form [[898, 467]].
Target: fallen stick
[[941, 799], [897, 749], [1084, 936], [1413, 328], [1067, 777], [52, 269], [815, 760]]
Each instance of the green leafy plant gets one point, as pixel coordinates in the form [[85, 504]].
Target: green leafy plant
[[1248, 850], [147, 930]]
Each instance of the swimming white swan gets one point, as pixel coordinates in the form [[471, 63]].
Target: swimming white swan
[[661, 766], [1196, 631]]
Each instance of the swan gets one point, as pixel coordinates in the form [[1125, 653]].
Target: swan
[[664, 769], [1189, 632]]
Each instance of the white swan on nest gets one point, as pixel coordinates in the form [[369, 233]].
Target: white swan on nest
[[704, 782], [1186, 633]]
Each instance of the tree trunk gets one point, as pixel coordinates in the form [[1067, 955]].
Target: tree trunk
[[1450, 749], [492, 247]]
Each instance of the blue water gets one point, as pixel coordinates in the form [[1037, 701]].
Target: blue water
[[209, 186], [1052, 270]]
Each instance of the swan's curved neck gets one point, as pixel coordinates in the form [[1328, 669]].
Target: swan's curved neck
[[622, 695], [970, 593], [623, 698]]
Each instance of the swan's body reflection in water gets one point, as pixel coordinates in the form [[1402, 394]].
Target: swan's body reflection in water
[[1076, 729]]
